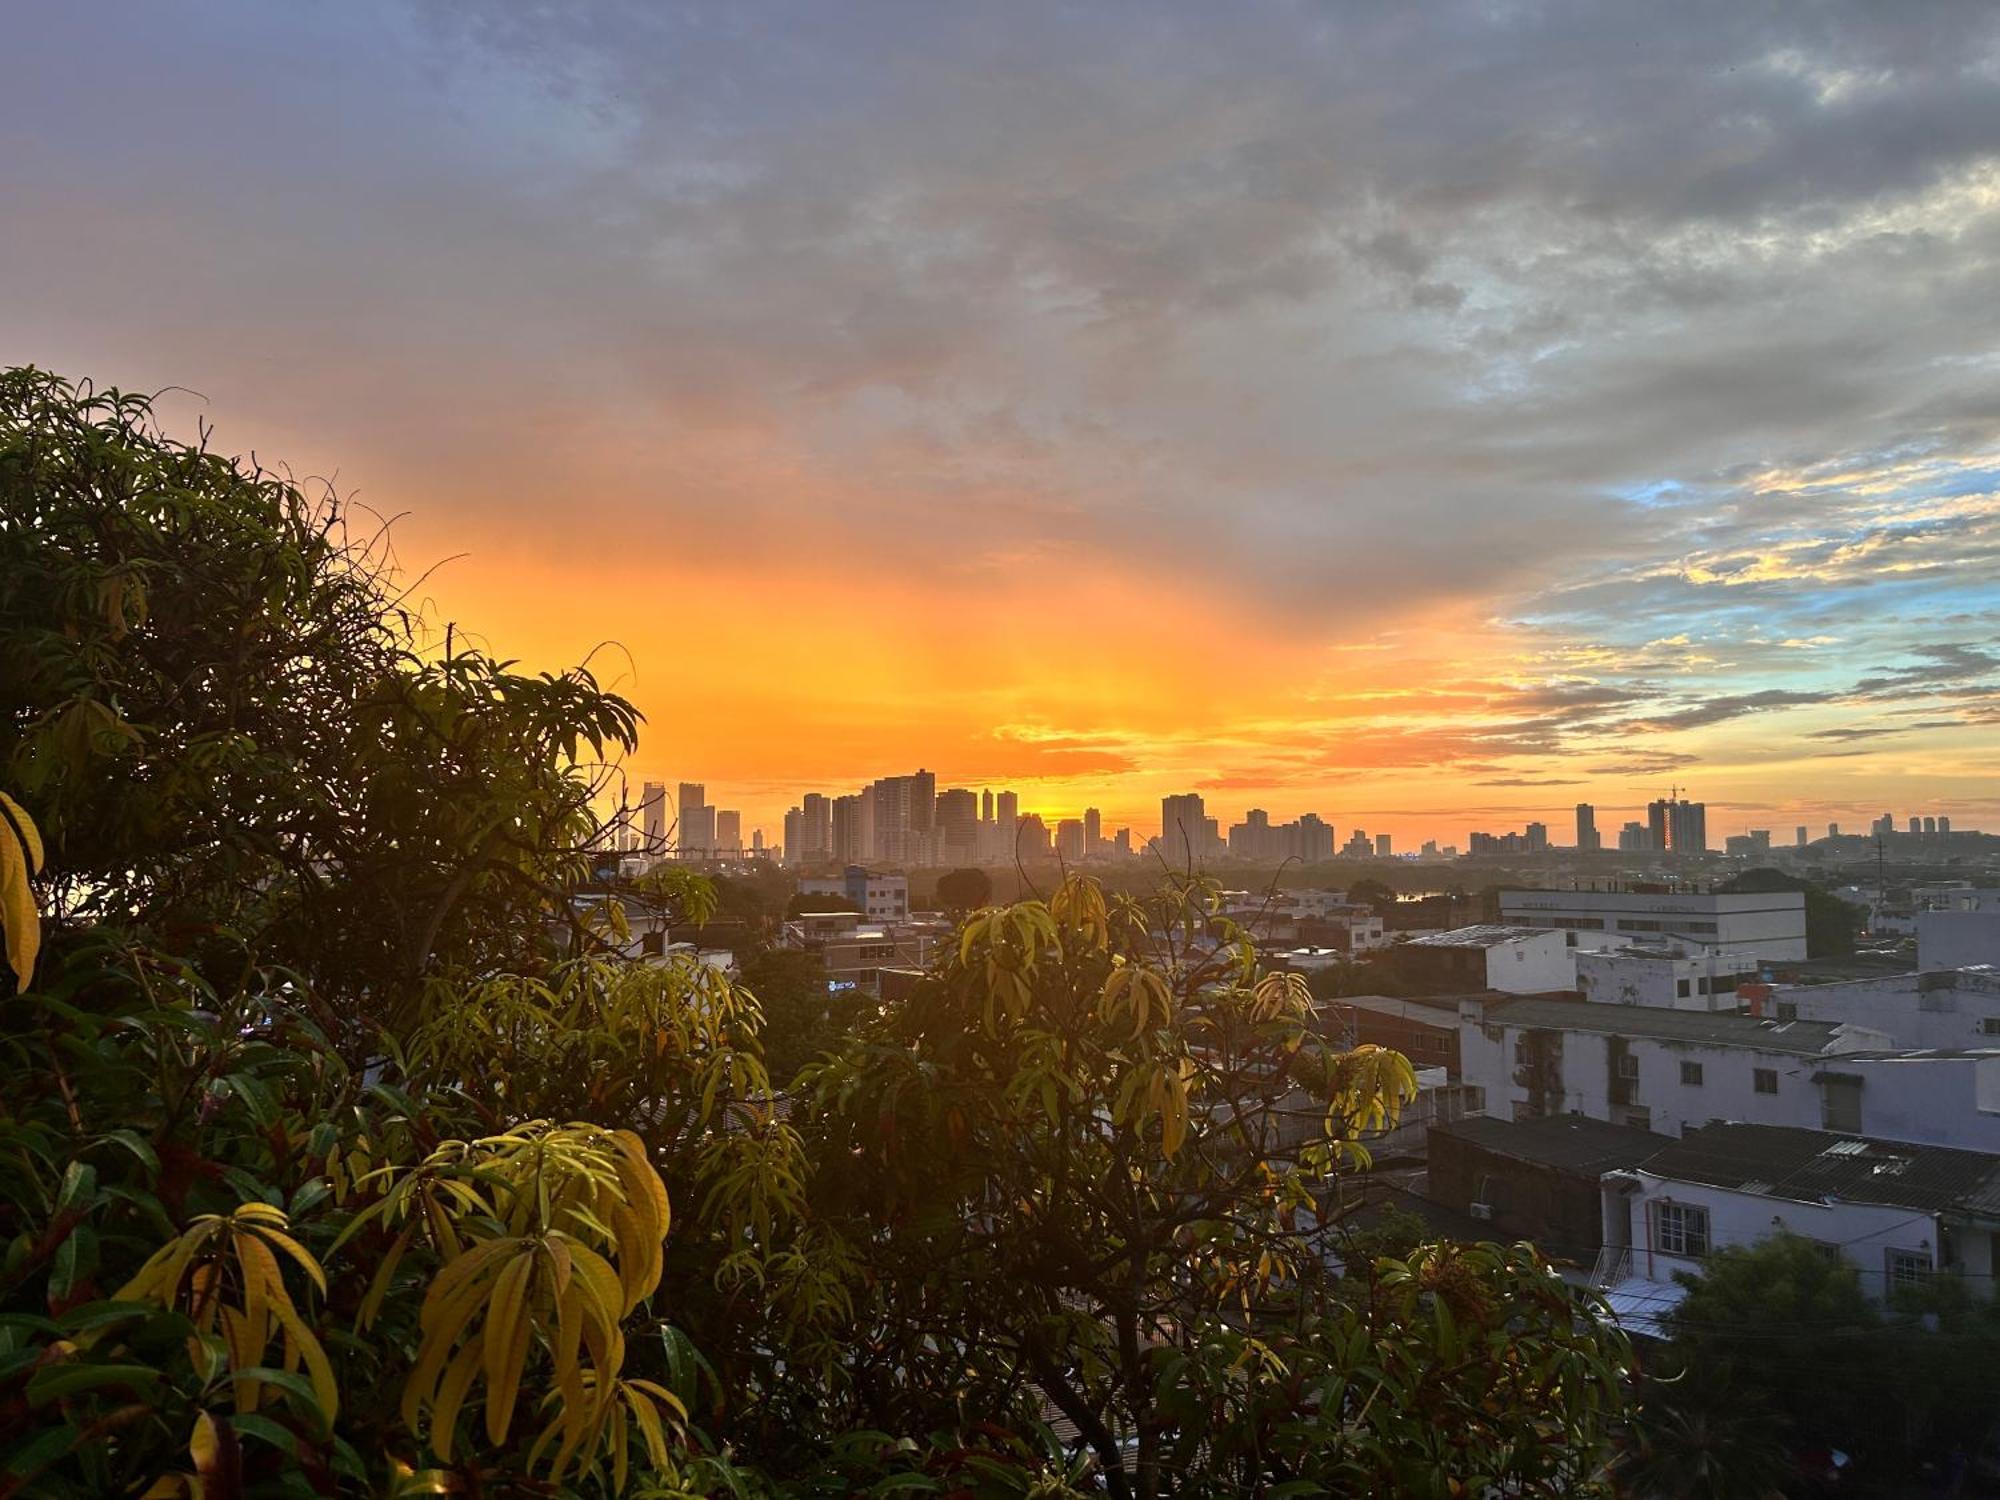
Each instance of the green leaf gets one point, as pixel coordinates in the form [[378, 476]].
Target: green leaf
[[53, 1382]]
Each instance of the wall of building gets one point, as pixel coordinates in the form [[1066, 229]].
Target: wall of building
[[1948, 1008], [1701, 981], [1863, 1232], [1958, 939], [1557, 1209], [1927, 1099], [1771, 926], [1529, 1072]]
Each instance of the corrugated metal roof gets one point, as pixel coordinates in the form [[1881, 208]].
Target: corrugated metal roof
[[1486, 935], [1808, 1166]]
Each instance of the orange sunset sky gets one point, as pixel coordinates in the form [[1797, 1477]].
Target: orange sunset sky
[[1427, 419]]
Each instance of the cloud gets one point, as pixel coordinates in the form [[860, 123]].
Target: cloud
[[1625, 371]]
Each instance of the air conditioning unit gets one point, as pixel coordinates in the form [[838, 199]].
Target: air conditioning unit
[[1480, 1210]]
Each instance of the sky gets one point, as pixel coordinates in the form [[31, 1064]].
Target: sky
[[1428, 416]]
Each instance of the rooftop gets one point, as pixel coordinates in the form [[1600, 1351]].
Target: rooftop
[[1808, 1166], [1718, 1028], [1569, 1141], [1488, 935]]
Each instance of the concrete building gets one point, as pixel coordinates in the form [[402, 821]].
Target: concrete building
[[1385, 847], [1678, 827], [1897, 1213], [728, 833], [1672, 977], [879, 898], [1753, 925], [1957, 927], [957, 826], [816, 811], [653, 816], [1518, 960], [854, 951], [1183, 829], [1936, 1097], [1661, 1070], [1587, 837]]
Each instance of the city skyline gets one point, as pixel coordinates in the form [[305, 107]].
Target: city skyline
[[1408, 831], [1432, 424]]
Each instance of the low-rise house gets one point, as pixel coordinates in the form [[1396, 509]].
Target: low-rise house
[[1661, 1070], [1537, 1180], [1896, 1212], [1519, 960]]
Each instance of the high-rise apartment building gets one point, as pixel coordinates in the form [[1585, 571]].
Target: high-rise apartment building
[[1093, 832], [1183, 828], [1802, 838], [1587, 838], [957, 826], [728, 832], [795, 837], [1069, 840], [818, 828], [1385, 847], [851, 844], [1678, 826], [653, 815], [986, 805], [1536, 837]]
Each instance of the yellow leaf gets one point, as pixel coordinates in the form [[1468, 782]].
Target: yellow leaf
[[20, 856]]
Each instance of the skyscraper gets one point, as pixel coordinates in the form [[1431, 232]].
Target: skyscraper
[[1385, 847], [1069, 840], [817, 830], [694, 821], [1586, 828], [1093, 832], [1677, 826], [728, 832], [850, 845], [794, 836], [1183, 828], [986, 805], [653, 814], [958, 825]]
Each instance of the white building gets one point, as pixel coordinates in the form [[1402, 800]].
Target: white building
[[1929, 1097], [1518, 960], [1950, 1008], [1656, 1069], [1672, 978], [1762, 925], [1895, 1212]]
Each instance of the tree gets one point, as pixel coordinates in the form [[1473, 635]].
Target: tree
[[227, 721], [1376, 893], [961, 891], [1088, 1162], [1832, 925], [1791, 1323]]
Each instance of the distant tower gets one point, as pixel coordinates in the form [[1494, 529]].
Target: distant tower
[[1586, 828], [1385, 847], [653, 814]]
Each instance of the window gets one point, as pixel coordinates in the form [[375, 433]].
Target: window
[[1764, 1080], [1680, 1229], [1990, 1025], [1682, 989], [1906, 1268], [1691, 1074], [1628, 1065], [1788, 1010]]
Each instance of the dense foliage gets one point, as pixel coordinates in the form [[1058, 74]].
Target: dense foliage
[[339, 1153]]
